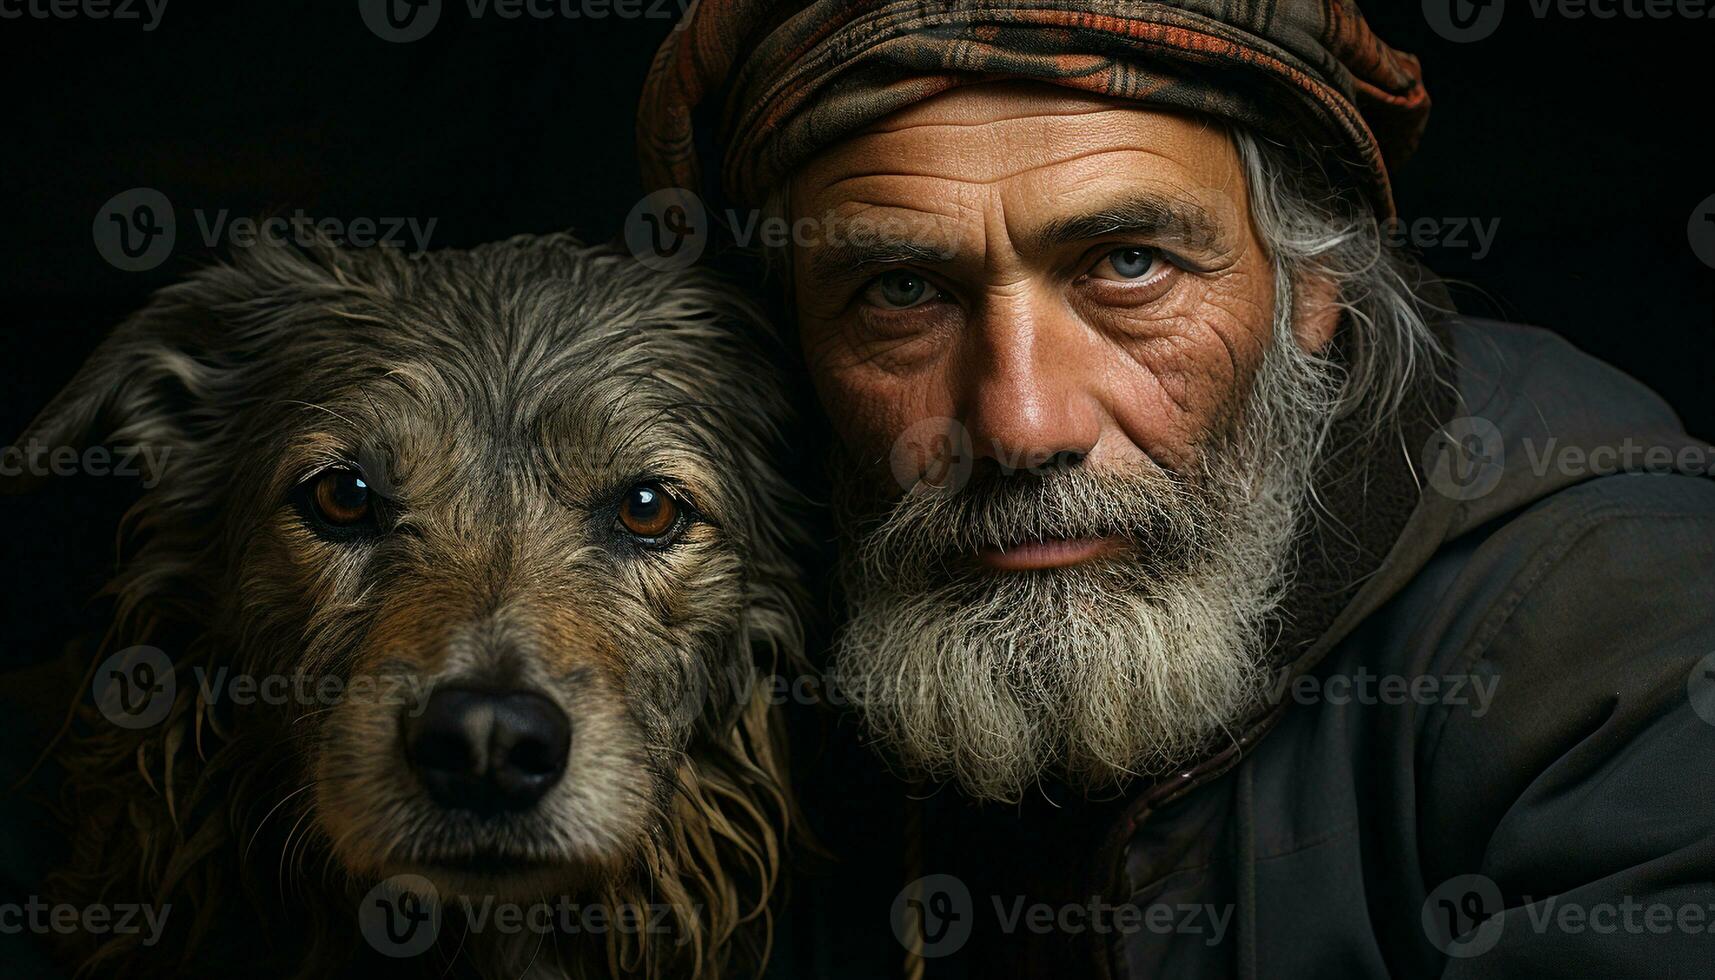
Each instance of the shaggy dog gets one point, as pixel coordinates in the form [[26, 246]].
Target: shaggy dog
[[444, 610]]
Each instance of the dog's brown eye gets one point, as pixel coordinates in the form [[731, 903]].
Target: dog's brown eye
[[647, 511], [341, 498]]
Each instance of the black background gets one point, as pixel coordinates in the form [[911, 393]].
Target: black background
[[1588, 140]]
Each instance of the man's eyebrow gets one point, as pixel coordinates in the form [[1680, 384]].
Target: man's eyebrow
[[1155, 218], [843, 259]]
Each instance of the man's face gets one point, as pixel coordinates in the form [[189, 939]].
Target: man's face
[[1066, 294], [1061, 274]]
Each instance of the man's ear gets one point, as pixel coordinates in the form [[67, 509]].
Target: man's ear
[[1317, 312], [137, 391]]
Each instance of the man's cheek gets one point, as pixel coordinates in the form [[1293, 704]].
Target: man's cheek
[[835, 372], [1180, 380], [891, 444], [866, 409], [1240, 302], [1163, 406], [1221, 332]]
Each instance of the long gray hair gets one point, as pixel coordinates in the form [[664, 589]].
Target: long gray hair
[[1315, 230]]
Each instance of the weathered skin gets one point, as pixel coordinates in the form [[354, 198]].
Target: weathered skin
[[1037, 343]]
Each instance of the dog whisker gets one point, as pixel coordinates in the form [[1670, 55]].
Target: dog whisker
[[264, 821], [540, 939], [453, 957], [285, 848]]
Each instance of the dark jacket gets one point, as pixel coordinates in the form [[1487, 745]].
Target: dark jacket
[[1541, 803]]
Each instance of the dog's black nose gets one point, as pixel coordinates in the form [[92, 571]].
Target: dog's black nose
[[488, 751]]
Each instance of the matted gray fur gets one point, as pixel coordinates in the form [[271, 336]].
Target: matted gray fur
[[498, 402]]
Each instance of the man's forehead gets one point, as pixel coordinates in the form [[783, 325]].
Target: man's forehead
[[1001, 131], [1020, 167]]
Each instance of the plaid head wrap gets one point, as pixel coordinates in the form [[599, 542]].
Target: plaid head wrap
[[765, 84]]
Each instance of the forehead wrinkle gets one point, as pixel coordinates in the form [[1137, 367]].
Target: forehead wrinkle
[[1001, 259], [839, 257], [887, 211], [1033, 140], [1184, 217]]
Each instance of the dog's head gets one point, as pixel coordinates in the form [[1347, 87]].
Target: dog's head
[[499, 534]]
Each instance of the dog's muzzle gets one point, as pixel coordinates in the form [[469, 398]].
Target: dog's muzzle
[[488, 751]]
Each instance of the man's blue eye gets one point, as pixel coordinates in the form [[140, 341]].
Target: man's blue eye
[[1131, 263]]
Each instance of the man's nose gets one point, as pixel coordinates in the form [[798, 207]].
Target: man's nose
[[488, 751], [1026, 388]]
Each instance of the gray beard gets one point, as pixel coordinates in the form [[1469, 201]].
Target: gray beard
[[1130, 664]]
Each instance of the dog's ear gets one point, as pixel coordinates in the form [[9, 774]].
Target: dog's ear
[[154, 385], [139, 389]]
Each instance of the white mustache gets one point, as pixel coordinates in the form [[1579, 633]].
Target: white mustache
[[1158, 512]]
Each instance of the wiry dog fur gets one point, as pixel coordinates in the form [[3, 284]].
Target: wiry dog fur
[[499, 400]]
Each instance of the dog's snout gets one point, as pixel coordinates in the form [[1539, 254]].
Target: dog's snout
[[488, 751]]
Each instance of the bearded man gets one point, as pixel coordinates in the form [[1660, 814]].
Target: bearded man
[[1262, 615]]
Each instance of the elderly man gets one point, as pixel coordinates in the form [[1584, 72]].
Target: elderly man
[[1265, 617]]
